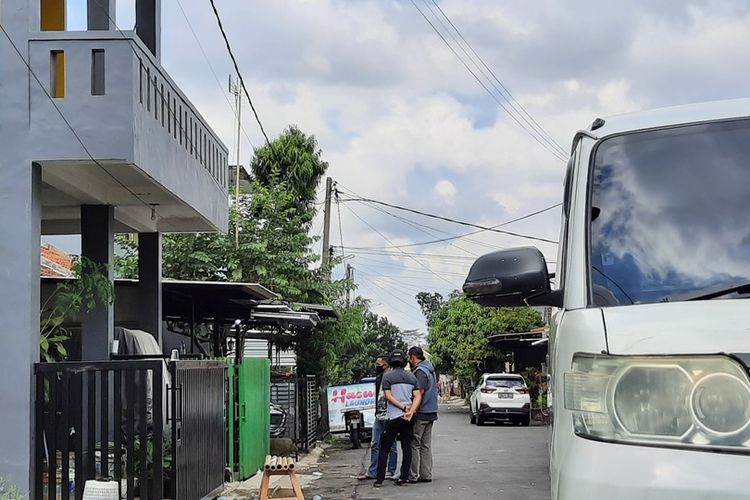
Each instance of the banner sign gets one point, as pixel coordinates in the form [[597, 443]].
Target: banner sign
[[342, 398]]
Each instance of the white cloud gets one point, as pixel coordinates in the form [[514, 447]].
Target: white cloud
[[446, 191], [396, 114]]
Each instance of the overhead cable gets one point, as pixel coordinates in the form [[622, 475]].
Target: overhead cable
[[560, 156], [502, 90], [454, 221], [73, 131], [210, 66], [242, 80], [421, 264]]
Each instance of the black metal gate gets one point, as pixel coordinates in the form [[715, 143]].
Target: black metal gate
[[199, 436], [99, 420], [309, 415]]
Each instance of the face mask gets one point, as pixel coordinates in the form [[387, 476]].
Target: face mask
[[379, 369]]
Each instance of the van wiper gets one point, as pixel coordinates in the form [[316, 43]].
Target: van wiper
[[709, 294]]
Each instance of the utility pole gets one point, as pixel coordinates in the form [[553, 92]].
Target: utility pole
[[325, 257], [234, 88]]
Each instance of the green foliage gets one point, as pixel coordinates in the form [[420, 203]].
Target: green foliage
[[274, 218], [295, 159], [459, 329], [345, 350], [126, 257], [90, 286], [537, 382], [9, 491]]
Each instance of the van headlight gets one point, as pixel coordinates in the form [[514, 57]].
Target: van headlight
[[679, 401]]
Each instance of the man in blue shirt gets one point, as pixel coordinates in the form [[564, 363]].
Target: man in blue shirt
[[421, 460], [400, 390]]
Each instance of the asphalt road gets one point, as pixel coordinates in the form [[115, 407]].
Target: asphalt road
[[501, 462]]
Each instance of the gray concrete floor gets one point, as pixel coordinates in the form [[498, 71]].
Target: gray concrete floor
[[501, 462]]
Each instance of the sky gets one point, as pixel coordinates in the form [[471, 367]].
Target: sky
[[400, 119]]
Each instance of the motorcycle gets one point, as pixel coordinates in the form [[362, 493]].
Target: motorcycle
[[354, 422]]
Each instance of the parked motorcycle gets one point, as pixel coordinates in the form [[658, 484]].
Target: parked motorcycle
[[354, 423]]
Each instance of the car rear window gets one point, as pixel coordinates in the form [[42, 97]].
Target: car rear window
[[504, 382]]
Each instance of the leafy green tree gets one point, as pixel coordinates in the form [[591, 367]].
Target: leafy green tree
[[90, 286], [458, 334], [296, 159]]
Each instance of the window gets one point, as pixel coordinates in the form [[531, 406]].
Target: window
[[511, 382], [97, 72], [52, 15], [57, 74], [669, 214]]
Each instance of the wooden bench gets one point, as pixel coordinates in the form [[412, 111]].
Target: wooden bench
[[279, 466]]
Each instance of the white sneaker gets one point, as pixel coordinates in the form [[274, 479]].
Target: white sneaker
[[388, 475]]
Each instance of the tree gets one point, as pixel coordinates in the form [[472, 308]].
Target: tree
[[430, 303], [458, 334], [89, 287], [345, 352], [295, 158]]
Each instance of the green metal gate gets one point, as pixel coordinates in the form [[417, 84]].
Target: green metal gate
[[249, 401]]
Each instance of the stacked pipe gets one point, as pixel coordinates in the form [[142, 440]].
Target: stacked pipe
[[275, 463]]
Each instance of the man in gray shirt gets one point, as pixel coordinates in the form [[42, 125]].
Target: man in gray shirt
[[400, 389], [421, 462]]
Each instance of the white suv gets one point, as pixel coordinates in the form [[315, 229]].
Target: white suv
[[500, 396]]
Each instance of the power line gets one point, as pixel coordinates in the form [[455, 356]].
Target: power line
[[72, 130], [389, 241], [554, 152], [507, 95], [210, 66], [454, 221], [400, 267], [242, 81], [547, 209], [418, 226]]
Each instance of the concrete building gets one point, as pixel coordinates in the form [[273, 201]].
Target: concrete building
[[95, 138]]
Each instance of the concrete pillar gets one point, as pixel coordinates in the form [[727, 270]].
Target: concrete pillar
[[149, 284], [97, 243], [148, 24], [100, 15], [20, 218]]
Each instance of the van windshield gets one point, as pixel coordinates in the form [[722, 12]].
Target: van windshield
[[669, 214]]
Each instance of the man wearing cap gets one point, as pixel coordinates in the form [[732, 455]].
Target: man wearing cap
[[421, 461], [400, 390]]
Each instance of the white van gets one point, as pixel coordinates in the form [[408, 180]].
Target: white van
[[650, 344]]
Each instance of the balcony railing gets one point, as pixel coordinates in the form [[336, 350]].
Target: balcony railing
[[126, 109]]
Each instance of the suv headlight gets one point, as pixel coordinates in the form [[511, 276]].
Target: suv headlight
[[679, 401]]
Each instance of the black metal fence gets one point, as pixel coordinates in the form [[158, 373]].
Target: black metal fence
[[106, 420], [96, 420], [309, 414], [199, 435], [298, 397]]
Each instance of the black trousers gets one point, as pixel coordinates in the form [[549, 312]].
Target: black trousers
[[402, 429]]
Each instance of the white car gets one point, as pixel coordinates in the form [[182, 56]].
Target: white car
[[649, 348], [500, 396]]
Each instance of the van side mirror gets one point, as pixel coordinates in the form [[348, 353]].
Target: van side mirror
[[510, 278]]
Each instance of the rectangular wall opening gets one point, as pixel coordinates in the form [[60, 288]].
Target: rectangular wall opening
[[97, 72], [57, 73], [52, 15]]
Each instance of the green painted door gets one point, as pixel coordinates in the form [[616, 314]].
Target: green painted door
[[254, 416]]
